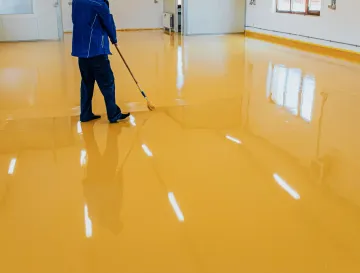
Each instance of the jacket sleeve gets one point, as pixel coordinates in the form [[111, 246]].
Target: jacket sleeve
[[107, 21]]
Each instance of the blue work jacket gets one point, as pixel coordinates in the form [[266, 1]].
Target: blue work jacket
[[93, 26]]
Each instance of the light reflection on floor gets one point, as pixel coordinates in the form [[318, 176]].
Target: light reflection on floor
[[249, 163]]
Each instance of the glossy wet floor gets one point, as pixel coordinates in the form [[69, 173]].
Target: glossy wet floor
[[250, 163]]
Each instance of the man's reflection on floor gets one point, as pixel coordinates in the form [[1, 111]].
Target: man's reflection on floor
[[103, 183]]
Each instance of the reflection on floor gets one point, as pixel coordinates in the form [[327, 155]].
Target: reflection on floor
[[250, 163], [292, 90]]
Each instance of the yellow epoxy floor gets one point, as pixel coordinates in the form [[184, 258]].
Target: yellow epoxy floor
[[250, 164]]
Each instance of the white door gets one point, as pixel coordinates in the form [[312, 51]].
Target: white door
[[66, 6], [25, 20]]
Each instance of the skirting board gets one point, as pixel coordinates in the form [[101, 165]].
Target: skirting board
[[216, 34], [138, 29], [307, 46], [129, 29]]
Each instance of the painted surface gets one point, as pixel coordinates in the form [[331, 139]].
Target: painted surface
[[170, 7], [41, 25], [216, 16], [127, 14], [339, 25], [249, 164]]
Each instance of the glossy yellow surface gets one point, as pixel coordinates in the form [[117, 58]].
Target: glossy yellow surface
[[250, 163], [344, 54]]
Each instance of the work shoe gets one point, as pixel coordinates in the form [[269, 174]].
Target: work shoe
[[120, 117], [93, 117]]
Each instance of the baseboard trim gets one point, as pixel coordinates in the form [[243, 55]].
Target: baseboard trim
[[138, 29], [348, 55], [129, 29], [217, 34]]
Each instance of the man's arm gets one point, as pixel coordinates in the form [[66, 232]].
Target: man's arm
[[107, 21]]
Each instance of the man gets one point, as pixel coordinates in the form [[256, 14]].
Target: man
[[93, 26]]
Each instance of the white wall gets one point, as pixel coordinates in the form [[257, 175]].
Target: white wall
[[137, 13], [128, 14], [169, 6], [204, 16], [341, 25], [66, 15], [215, 16]]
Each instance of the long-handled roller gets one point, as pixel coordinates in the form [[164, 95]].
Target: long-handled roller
[[150, 106]]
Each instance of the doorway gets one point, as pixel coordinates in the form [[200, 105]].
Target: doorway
[[178, 10], [30, 20], [178, 14]]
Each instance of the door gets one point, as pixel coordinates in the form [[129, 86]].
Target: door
[[26, 20], [66, 6]]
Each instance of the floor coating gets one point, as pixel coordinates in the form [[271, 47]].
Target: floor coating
[[250, 163]]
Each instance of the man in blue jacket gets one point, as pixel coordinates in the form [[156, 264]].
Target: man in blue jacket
[[93, 26]]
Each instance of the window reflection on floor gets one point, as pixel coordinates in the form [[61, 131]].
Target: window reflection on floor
[[307, 99], [291, 89], [180, 70]]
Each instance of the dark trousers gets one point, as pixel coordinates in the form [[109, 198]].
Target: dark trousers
[[97, 69]]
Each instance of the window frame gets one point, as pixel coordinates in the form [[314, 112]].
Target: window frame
[[307, 10]]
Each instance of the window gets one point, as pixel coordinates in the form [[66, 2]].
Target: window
[[306, 7], [16, 7]]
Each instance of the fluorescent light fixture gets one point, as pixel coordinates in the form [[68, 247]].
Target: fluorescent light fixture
[[233, 139], [147, 150], [79, 129], [286, 187], [176, 207], [83, 157], [88, 223], [12, 166], [132, 120]]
